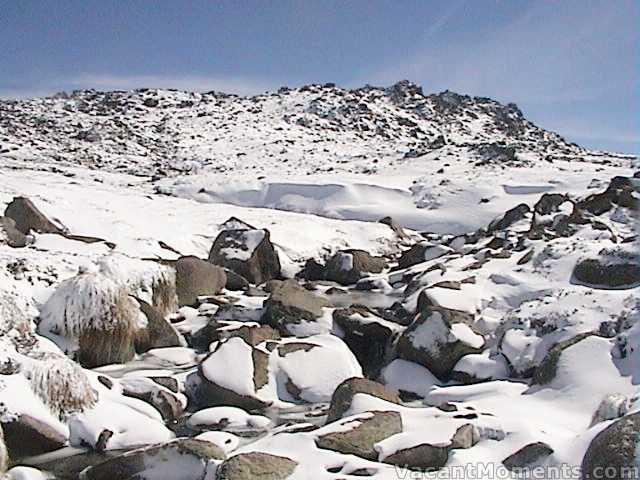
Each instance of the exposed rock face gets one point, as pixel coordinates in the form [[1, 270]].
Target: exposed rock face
[[213, 385], [342, 396], [367, 335], [431, 340], [289, 305], [619, 192], [254, 465], [249, 253], [186, 457], [527, 455], [613, 450], [27, 436], [28, 218], [195, 277], [348, 266], [612, 269], [366, 430]]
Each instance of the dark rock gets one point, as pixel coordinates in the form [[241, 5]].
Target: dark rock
[[343, 395], [312, 271], [348, 266], [367, 338], [256, 465], [195, 278], [248, 253], [27, 436], [235, 281], [527, 456], [512, 216], [159, 333], [549, 203], [28, 218], [423, 457], [612, 269], [252, 334]]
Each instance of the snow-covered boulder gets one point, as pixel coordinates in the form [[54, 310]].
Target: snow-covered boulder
[[249, 253], [196, 277], [290, 305], [184, 458], [232, 418], [234, 374], [479, 367], [298, 375], [254, 465], [437, 344], [359, 434], [348, 266], [344, 393], [546, 371], [93, 319], [613, 450]]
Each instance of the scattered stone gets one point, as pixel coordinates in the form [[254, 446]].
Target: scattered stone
[[28, 218], [289, 305], [348, 266], [527, 456]]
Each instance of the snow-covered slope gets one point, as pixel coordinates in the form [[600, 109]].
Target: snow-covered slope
[[512, 248]]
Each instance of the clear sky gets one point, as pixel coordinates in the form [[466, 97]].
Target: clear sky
[[571, 65]]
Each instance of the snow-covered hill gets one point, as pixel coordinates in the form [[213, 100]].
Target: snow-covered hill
[[315, 128], [410, 281]]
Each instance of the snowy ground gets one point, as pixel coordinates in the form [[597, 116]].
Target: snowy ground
[[313, 215]]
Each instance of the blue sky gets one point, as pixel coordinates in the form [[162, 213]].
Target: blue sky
[[571, 65]]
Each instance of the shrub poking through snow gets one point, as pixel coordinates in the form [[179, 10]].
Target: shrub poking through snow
[[61, 384], [152, 282], [92, 318]]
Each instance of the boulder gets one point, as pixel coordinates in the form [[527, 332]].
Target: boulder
[[422, 252], [546, 371], [232, 375], [549, 203], [256, 465], [312, 270], [613, 451], [423, 457], [367, 335], [158, 333], [348, 266], [248, 253], [252, 334], [161, 398], [615, 268], [4, 456], [435, 342], [318, 384], [290, 305], [195, 277], [358, 434], [184, 458], [527, 456], [26, 436], [619, 192], [343, 395], [28, 218], [512, 216], [10, 235]]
